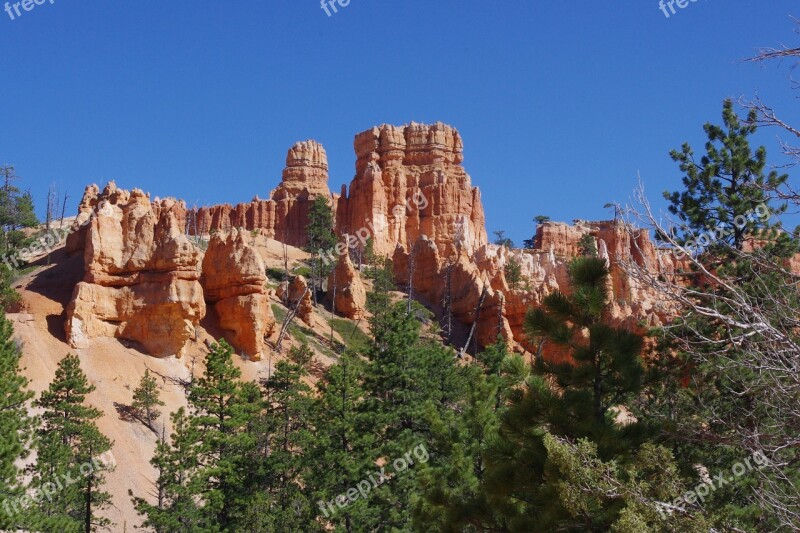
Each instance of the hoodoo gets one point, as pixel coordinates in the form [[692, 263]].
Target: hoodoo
[[410, 195]]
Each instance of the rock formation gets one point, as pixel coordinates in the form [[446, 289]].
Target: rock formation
[[141, 273], [346, 289], [283, 217], [234, 282], [410, 182], [296, 294], [480, 294], [410, 195]]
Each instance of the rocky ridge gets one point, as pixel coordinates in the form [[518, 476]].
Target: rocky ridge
[[146, 280]]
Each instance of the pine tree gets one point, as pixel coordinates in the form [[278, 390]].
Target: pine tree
[[9, 297], [501, 239], [576, 398], [587, 246], [203, 470], [146, 401], [724, 201], [15, 427], [339, 456], [222, 409], [732, 397], [16, 209], [379, 271], [71, 453], [25, 211], [321, 239], [513, 273], [410, 384], [177, 509], [452, 492], [369, 252], [606, 368], [284, 437]]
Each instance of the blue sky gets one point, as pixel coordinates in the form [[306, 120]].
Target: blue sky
[[560, 104]]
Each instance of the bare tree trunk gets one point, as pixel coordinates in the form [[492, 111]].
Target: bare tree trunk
[[447, 302], [49, 211], [289, 317], [474, 324], [333, 303], [63, 210], [412, 260]]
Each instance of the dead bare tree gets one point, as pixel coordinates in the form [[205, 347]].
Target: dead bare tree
[[755, 345], [447, 301], [288, 320], [412, 263], [63, 209], [333, 303], [484, 293], [52, 200], [50, 212], [768, 117]]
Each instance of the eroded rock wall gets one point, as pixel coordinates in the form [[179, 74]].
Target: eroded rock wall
[[142, 273], [234, 283]]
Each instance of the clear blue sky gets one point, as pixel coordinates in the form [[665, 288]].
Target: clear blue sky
[[560, 104]]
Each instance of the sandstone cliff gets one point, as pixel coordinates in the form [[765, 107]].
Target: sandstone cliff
[[410, 182], [234, 282], [474, 290], [141, 273], [410, 195]]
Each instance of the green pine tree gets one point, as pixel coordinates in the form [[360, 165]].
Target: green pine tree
[[339, 456], [203, 470], [724, 201], [453, 498], [513, 273], [576, 398], [284, 437], [146, 401], [321, 239], [16, 209], [410, 382], [380, 272], [15, 428], [177, 508], [73, 455]]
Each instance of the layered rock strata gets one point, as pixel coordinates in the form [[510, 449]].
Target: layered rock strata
[[410, 195], [142, 273], [410, 182], [474, 287], [234, 283]]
